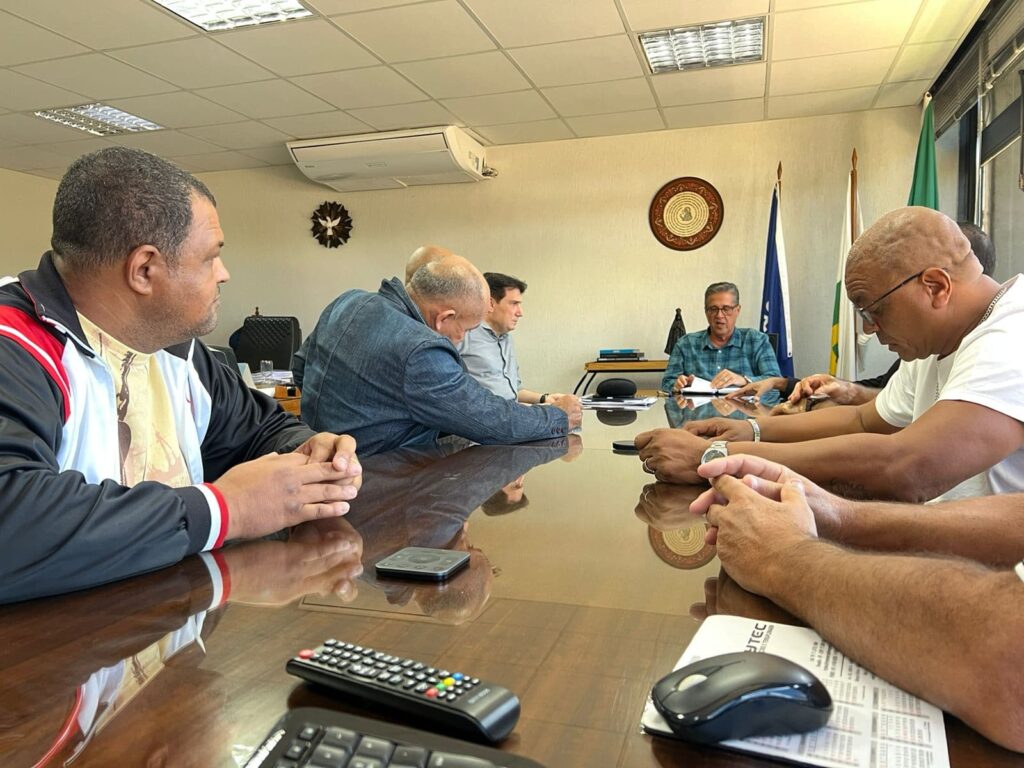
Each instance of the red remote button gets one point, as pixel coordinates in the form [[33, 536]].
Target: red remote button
[[431, 693], [305, 653]]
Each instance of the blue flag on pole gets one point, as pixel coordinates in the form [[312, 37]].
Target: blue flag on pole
[[775, 296]]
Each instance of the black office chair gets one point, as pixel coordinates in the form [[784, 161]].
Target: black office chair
[[773, 339], [268, 337]]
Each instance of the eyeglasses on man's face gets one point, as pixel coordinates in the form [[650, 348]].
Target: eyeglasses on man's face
[[871, 318], [712, 311]]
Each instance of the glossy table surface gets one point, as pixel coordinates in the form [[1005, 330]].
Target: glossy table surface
[[585, 585]]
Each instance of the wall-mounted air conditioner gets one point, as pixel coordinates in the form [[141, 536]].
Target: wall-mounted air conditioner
[[391, 160]]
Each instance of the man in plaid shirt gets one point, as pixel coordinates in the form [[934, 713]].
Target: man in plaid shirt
[[722, 354]]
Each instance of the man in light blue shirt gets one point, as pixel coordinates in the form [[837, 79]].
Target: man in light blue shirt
[[487, 350]]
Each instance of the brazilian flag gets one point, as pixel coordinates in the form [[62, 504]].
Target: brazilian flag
[[924, 189]]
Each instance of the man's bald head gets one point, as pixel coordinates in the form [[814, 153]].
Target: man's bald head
[[425, 254], [908, 240], [451, 294], [916, 282]]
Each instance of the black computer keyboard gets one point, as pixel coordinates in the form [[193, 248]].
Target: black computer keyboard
[[321, 738]]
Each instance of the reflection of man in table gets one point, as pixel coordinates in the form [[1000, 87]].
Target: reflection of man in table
[[722, 353], [423, 497], [679, 410], [114, 654]]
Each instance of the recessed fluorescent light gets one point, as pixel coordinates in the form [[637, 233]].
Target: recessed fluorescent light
[[707, 45], [218, 15], [99, 120]]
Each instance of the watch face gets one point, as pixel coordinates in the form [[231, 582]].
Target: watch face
[[713, 453]]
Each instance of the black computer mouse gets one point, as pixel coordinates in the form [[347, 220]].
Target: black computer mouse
[[737, 695]]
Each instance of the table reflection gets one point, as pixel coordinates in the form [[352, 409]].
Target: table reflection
[[423, 497], [679, 409], [676, 535]]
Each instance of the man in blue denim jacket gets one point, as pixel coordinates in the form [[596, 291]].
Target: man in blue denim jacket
[[384, 364]]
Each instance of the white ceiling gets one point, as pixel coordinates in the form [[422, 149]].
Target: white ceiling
[[509, 70]]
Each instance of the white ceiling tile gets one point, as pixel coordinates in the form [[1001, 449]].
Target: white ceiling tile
[[918, 62], [166, 143], [199, 63], [269, 98], [73, 149], [29, 129], [600, 98], [217, 161], [373, 87], [96, 75], [657, 14], [621, 123], [332, 7], [24, 158], [21, 41], [902, 94], [580, 61], [826, 73], [841, 28], [946, 19], [516, 23], [472, 75], [524, 133], [320, 124], [405, 116], [299, 48], [720, 113], [103, 23], [827, 103], [500, 108], [697, 86], [18, 92], [239, 135], [177, 110], [271, 155], [799, 5], [412, 32]]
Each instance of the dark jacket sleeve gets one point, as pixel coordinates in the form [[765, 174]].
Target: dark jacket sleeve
[[244, 424], [440, 394], [59, 533], [878, 382]]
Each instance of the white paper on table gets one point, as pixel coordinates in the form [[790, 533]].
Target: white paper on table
[[701, 386], [874, 724]]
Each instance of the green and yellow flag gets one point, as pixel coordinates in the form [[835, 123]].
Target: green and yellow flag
[[843, 352], [924, 189]]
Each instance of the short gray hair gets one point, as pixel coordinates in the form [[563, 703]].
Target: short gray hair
[[114, 200], [722, 288], [447, 280]]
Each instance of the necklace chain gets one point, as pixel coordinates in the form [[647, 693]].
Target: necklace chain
[[991, 306]]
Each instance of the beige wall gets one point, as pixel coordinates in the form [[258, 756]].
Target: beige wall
[[568, 217], [25, 205]]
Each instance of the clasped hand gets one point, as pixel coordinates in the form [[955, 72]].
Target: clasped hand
[[320, 557], [277, 491]]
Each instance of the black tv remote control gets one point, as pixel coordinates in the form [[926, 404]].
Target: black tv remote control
[[453, 701]]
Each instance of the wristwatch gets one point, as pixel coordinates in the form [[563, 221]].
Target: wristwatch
[[719, 449]]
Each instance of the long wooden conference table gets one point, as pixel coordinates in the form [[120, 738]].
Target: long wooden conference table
[[585, 585]]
